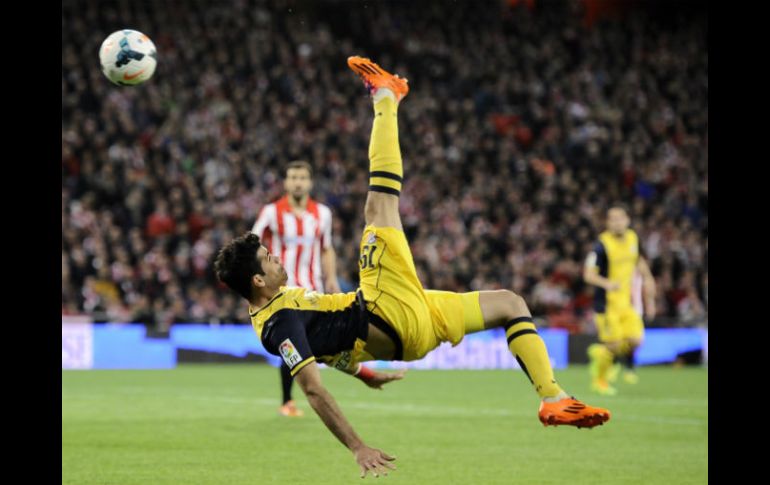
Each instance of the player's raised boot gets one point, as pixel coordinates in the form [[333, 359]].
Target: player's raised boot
[[571, 412], [289, 409], [375, 77]]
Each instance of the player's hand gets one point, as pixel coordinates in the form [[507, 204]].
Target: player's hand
[[613, 286], [373, 460], [381, 378], [332, 286]]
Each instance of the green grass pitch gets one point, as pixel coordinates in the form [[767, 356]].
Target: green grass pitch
[[217, 424]]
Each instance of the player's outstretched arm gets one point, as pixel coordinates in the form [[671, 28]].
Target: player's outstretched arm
[[369, 459]]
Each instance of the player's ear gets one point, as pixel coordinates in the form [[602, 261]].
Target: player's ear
[[258, 281]]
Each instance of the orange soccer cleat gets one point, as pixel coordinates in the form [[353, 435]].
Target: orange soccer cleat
[[290, 410], [375, 77], [572, 412]]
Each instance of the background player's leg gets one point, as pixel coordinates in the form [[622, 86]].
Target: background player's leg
[[286, 382], [605, 355], [633, 334], [628, 360], [603, 367], [506, 309], [287, 408]]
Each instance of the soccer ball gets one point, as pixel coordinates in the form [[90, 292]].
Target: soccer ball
[[128, 57]]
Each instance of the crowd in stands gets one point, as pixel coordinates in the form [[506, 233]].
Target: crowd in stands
[[522, 126]]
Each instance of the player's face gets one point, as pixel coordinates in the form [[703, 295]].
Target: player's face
[[275, 275], [617, 221], [298, 182]]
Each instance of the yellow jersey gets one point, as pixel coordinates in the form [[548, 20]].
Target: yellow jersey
[[616, 259], [302, 326]]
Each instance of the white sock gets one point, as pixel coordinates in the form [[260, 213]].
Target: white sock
[[380, 94], [557, 397]]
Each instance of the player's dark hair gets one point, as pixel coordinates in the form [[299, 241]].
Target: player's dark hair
[[237, 262], [299, 164]]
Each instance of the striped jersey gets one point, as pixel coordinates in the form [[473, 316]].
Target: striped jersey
[[297, 240]]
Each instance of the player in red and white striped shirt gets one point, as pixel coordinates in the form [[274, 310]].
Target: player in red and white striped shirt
[[299, 230]]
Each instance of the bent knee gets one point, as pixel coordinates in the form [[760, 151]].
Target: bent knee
[[516, 307]]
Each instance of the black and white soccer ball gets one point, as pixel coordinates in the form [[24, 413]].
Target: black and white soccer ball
[[128, 57]]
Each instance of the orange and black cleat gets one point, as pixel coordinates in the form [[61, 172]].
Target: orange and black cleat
[[375, 77], [570, 411], [289, 409]]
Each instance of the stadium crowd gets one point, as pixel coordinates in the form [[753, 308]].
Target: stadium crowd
[[522, 125]]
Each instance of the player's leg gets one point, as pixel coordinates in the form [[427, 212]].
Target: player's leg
[[385, 166], [603, 355], [457, 314], [286, 383], [288, 408], [615, 350], [627, 359], [633, 333], [603, 367], [503, 308], [387, 275], [506, 309]]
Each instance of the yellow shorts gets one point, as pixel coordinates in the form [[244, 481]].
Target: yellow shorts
[[616, 325], [421, 318]]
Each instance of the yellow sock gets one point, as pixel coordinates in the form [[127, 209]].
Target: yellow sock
[[529, 349], [385, 168], [602, 356]]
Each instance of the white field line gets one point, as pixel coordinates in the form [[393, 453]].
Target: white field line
[[420, 409]]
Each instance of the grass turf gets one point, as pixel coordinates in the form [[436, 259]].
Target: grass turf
[[216, 424]]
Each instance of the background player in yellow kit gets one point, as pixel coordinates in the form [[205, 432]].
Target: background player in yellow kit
[[611, 267], [391, 316]]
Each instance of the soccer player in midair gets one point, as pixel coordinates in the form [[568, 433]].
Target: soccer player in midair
[[391, 316]]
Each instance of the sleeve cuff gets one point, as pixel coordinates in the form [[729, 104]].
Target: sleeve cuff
[[301, 365]]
